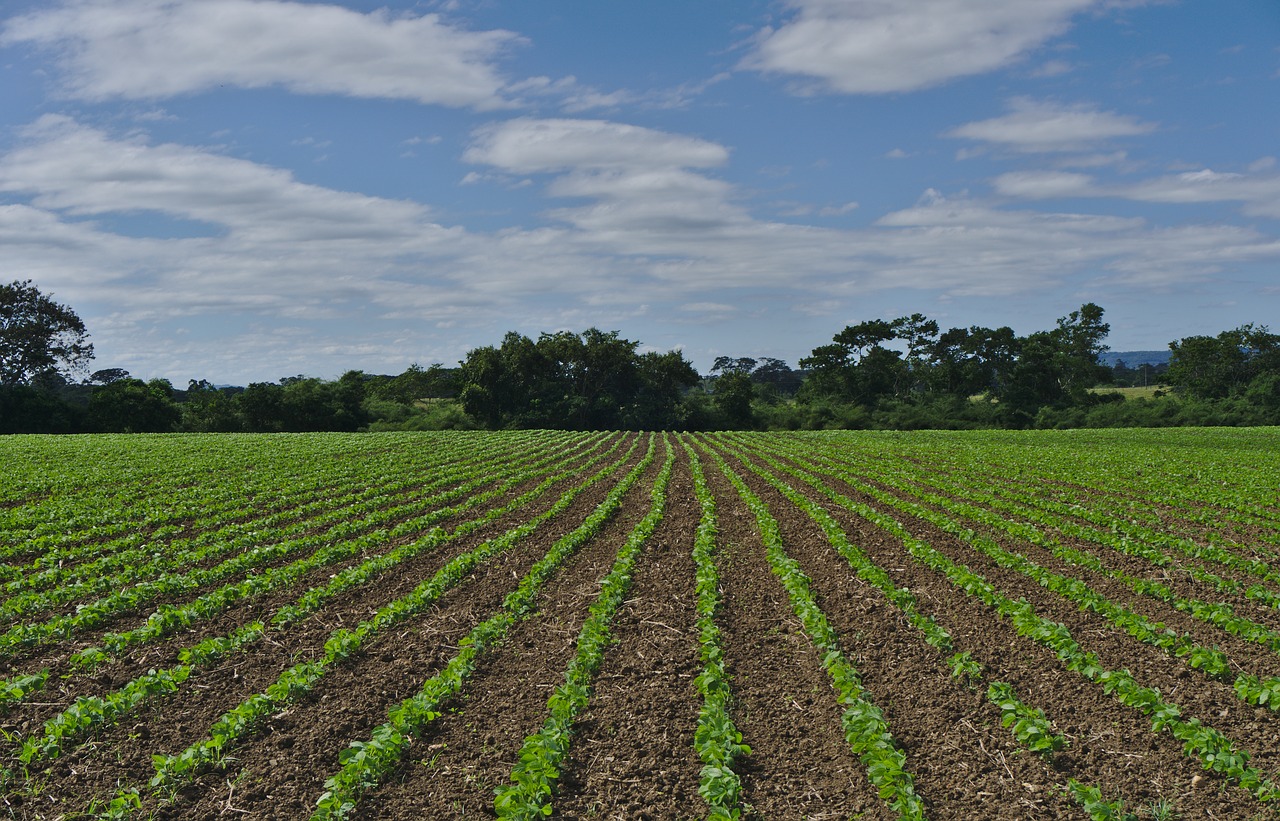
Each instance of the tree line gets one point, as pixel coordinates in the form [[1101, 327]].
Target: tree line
[[903, 373]]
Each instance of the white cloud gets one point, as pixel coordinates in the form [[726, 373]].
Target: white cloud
[[1114, 158], [967, 247], [575, 97], [645, 224], [152, 49], [709, 308], [1258, 193], [1033, 126], [82, 171], [837, 210], [1053, 68], [277, 246], [879, 46], [528, 146], [1043, 184], [672, 230]]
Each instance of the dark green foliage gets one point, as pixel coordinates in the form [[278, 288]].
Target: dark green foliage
[[733, 393], [1144, 375], [302, 404], [856, 368], [38, 337], [209, 409], [589, 381], [1224, 366], [908, 359], [415, 384], [133, 406], [24, 409], [900, 374]]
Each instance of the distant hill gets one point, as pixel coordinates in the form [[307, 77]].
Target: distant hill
[[1135, 358]]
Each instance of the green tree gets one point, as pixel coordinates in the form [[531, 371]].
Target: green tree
[[1219, 367], [921, 337], [733, 392], [856, 367], [208, 409], [261, 407], [39, 338], [107, 375], [134, 406], [664, 379], [507, 386], [26, 409], [416, 383], [309, 405], [598, 375], [1079, 337], [972, 361], [1034, 381], [781, 378], [594, 380], [730, 364]]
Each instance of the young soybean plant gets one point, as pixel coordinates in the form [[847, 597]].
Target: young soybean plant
[[1030, 726]]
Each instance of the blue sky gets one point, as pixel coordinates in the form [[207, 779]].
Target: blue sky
[[240, 190]]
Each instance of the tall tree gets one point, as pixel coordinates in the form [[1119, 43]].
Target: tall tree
[[856, 367], [133, 406], [594, 380], [664, 377], [39, 338], [778, 375], [1209, 367], [1079, 337], [921, 337], [733, 393], [972, 361], [731, 364]]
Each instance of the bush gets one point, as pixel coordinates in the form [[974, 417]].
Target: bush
[[440, 414]]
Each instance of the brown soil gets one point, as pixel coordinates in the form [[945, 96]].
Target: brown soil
[[633, 754], [175, 722]]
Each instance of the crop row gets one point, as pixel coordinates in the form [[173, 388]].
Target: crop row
[[223, 530], [865, 727], [1030, 726], [174, 770], [366, 762], [717, 739], [286, 517], [92, 712], [947, 509], [159, 502], [1214, 750], [952, 516]]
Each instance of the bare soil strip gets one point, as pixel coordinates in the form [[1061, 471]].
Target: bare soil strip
[[800, 766], [299, 641], [471, 750], [55, 656], [965, 765], [633, 754]]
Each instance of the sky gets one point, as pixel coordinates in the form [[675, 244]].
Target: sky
[[241, 190]]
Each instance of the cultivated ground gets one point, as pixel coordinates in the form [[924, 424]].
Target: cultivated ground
[[621, 625]]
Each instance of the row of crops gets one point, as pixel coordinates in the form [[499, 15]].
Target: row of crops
[[622, 625]]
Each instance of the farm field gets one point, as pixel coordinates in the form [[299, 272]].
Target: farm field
[[1053, 624]]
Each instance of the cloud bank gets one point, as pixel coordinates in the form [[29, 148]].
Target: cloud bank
[[152, 49], [886, 46]]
